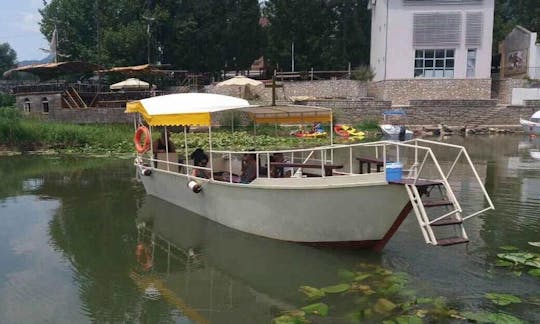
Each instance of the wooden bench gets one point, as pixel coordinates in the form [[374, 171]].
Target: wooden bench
[[368, 161], [327, 167]]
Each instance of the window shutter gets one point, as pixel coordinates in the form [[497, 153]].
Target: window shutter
[[475, 25], [437, 29]]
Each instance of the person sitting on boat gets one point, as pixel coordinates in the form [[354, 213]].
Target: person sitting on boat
[[249, 168], [163, 143], [279, 172], [317, 128], [159, 146], [200, 159]]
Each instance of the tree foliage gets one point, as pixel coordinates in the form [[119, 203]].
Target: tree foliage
[[509, 13], [199, 35], [326, 34], [7, 57], [210, 35]]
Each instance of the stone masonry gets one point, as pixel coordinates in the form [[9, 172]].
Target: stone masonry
[[401, 92]]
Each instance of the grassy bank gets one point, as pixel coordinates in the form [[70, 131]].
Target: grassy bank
[[22, 134]]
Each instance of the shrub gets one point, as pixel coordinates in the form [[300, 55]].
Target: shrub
[[7, 100], [363, 73]]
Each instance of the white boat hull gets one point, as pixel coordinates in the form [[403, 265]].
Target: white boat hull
[[393, 130], [530, 127], [347, 210]]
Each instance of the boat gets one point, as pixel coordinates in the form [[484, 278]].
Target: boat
[[329, 199], [349, 132], [532, 125], [393, 125]]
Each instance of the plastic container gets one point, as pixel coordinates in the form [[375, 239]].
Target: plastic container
[[394, 171]]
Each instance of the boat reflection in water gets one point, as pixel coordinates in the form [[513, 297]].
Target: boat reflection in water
[[212, 273], [532, 145]]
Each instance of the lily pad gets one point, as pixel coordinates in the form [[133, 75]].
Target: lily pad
[[537, 244], [346, 274], [362, 276], [502, 318], [408, 319], [518, 257], [290, 319], [384, 306], [508, 248], [480, 317], [503, 299], [311, 292], [320, 309], [336, 288], [503, 263], [534, 272], [533, 262]]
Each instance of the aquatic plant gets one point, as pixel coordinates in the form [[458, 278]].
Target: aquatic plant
[[520, 261]]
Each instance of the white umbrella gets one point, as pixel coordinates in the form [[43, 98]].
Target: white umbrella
[[243, 83], [240, 81], [132, 83]]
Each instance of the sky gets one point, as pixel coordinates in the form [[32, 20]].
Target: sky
[[19, 27]]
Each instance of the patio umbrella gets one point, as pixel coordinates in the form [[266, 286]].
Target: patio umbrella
[[130, 84], [242, 82]]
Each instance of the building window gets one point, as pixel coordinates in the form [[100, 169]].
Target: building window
[[27, 106], [471, 63], [45, 105], [434, 63]]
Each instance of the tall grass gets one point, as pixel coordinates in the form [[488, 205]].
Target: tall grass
[[30, 134]]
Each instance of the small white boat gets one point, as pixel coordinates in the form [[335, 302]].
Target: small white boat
[[393, 126], [531, 126], [327, 199]]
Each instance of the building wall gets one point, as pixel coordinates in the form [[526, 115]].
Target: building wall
[[516, 53], [401, 92], [77, 116], [397, 50], [36, 103], [379, 19]]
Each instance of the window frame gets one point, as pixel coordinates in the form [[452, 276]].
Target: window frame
[[45, 108], [474, 60], [434, 63]]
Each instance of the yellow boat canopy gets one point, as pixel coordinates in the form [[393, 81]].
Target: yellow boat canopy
[[197, 109]]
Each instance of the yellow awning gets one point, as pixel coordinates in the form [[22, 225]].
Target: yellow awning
[[197, 109]]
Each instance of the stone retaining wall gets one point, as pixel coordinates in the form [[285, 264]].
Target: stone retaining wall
[[456, 113], [353, 111], [400, 92], [92, 116], [345, 89], [502, 89]]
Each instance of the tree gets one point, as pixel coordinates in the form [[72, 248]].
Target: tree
[[7, 58], [509, 13], [326, 34]]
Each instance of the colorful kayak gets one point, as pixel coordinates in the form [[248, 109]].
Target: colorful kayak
[[347, 131]]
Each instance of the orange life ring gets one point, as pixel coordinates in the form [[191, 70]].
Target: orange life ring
[[137, 139]]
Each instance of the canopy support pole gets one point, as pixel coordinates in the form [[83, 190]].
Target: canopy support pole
[[211, 154], [185, 149], [167, 147]]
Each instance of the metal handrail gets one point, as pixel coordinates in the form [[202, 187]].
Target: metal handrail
[[384, 144]]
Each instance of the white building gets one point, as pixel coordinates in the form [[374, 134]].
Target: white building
[[419, 40]]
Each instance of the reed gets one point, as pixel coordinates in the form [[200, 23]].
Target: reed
[[31, 134]]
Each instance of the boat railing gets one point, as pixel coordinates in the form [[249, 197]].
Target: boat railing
[[416, 156]]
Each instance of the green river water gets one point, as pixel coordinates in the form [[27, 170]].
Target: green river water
[[77, 247]]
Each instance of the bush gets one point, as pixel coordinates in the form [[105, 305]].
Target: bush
[[7, 100], [363, 73]]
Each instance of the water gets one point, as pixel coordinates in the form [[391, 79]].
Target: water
[[76, 236]]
